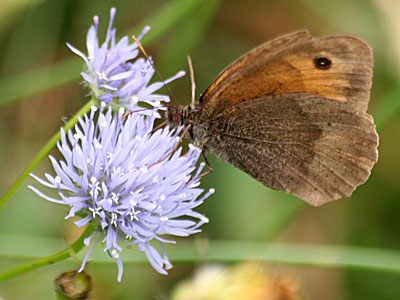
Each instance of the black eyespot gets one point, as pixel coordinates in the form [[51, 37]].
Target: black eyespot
[[322, 63]]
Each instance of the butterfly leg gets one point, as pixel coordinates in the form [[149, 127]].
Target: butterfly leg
[[210, 168]]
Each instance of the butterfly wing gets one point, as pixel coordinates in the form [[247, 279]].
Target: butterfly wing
[[338, 68], [315, 148], [292, 114]]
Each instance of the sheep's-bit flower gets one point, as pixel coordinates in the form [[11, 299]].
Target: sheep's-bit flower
[[115, 175], [113, 73]]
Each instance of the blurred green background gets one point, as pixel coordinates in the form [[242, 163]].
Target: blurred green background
[[39, 90]]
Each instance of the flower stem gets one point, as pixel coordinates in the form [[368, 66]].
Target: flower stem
[[51, 259], [43, 153]]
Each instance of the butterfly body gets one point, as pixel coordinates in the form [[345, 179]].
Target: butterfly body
[[292, 114]]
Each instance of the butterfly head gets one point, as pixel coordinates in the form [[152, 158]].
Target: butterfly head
[[179, 115]]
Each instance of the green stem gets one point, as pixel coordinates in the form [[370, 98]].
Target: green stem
[[43, 152], [51, 259]]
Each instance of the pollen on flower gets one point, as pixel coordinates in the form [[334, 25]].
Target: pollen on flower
[[212, 191], [202, 164], [114, 197], [162, 197], [102, 75], [121, 110], [57, 179], [97, 145], [95, 211], [114, 253], [168, 266], [134, 99], [182, 196], [93, 108], [204, 219], [186, 178], [163, 219], [93, 179], [144, 169], [78, 136]]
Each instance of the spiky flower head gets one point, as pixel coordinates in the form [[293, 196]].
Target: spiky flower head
[[113, 71], [128, 181]]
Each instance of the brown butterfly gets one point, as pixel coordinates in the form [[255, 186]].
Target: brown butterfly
[[292, 114]]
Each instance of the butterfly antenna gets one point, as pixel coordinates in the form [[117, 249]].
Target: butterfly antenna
[[193, 103], [151, 63]]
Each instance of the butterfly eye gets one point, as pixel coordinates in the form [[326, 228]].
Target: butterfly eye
[[322, 63]]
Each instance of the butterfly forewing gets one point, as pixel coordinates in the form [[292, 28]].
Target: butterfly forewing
[[292, 114], [345, 76]]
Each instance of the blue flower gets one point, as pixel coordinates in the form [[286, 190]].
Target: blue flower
[[125, 179], [113, 73]]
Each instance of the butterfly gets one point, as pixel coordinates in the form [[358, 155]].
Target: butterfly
[[292, 114]]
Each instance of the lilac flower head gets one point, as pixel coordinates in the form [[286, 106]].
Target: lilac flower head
[[118, 175], [113, 72]]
